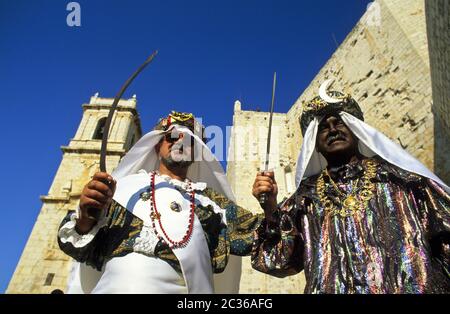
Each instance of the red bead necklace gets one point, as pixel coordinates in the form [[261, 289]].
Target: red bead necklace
[[155, 215]]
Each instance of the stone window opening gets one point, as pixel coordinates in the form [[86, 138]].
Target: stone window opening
[[99, 130], [133, 139], [49, 279]]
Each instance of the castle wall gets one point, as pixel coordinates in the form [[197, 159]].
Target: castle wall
[[438, 31]]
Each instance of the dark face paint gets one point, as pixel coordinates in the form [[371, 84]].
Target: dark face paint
[[335, 140]]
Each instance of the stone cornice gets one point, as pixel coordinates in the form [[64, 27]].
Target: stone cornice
[[107, 107], [59, 199], [79, 150]]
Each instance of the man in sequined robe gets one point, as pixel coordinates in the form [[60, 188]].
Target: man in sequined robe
[[167, 220], [366, 217]]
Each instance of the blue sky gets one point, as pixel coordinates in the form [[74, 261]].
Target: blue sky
[[211, 53]]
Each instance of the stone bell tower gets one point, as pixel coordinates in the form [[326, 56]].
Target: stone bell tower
[[42, 267]]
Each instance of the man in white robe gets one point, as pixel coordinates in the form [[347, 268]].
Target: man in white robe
[[166, 220]]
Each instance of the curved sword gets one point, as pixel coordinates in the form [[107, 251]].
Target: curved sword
[[92, 213], [113, 108]]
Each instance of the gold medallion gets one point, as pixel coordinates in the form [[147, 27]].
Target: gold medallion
[[350, 202]]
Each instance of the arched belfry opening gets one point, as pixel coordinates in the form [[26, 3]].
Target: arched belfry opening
[[99, 130]]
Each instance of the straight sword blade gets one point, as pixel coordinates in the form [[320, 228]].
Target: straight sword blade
[[263, 197], [270, 121]]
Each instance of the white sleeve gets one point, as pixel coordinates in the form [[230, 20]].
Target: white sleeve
[[67, 232]]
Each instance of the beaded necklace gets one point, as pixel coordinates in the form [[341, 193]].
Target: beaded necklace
[[155, 215]]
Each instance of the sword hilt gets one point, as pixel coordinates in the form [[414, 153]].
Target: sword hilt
[[262, 199], [95, 213]]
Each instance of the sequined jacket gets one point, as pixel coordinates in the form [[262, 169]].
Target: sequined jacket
[[121, 230], [398, 243]]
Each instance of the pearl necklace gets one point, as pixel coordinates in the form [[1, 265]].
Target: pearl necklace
[[155, 215]]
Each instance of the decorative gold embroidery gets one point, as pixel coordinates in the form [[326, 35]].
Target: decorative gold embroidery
[[350, 202]]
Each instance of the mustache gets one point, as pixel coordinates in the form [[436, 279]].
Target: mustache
[[335, 137]]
